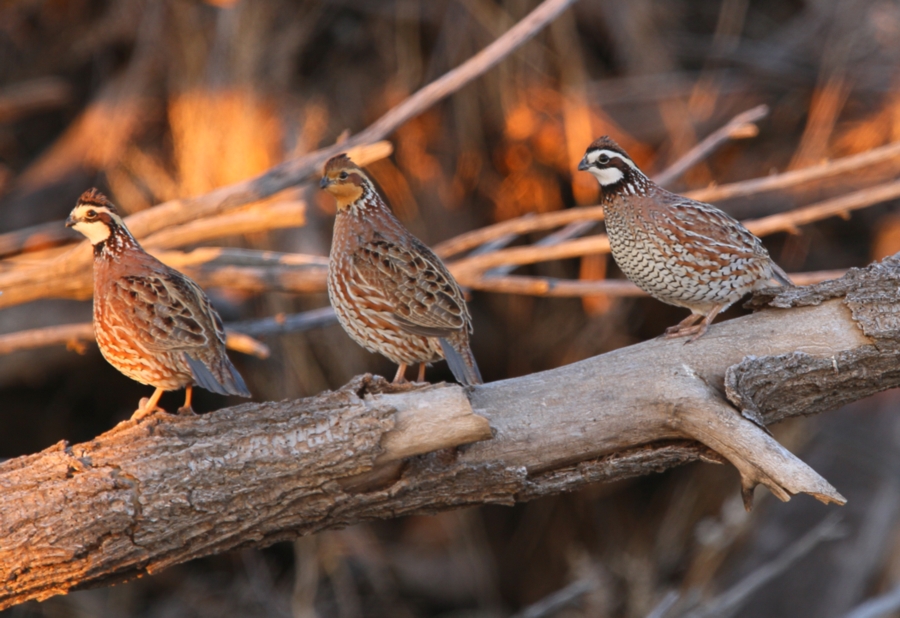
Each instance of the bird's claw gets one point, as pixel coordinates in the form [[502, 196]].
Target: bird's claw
[[143, 411]]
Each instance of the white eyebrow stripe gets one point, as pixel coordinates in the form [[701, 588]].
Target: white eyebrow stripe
[[81, 209], [592, 158]]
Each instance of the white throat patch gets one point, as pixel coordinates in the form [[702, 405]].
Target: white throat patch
[[607, 176], [96, 231]]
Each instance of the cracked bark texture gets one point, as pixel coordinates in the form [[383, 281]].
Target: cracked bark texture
[[145, 496], [820, 377]]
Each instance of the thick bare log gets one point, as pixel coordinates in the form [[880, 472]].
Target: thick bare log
[[145, 496]]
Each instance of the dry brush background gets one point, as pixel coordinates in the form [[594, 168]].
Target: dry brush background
[[157, 101]]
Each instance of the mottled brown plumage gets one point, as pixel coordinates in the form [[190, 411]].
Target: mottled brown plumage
[[151, 322], [678, 250], [391, 293]]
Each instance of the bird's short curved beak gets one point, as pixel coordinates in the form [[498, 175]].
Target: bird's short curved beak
[[70, 221], [584, 165], [323, 184]]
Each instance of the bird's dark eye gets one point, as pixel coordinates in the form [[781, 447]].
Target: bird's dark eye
[[604, 159], [343, 176], [91, 214]]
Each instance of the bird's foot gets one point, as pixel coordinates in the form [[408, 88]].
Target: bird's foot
[[693, 332], [144, 409], [185, 411]]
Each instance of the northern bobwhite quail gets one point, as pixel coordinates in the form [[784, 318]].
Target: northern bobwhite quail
[[678, 250], [151, 322], [391, 294]]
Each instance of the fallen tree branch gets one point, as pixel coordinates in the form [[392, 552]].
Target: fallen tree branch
[[145, 496]]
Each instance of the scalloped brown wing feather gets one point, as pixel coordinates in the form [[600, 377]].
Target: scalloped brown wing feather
[[423, 297], [711, 226], [170, 313]]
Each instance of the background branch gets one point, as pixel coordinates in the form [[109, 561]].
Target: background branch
[[25, 286]]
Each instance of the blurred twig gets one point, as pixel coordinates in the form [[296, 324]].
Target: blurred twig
[[36, 95], [259, 218], [550, 286], [739, 127], [840, 206], [879, 607], [292, 323], [40, 242], [796, 177], [552, 603], [76, 335], [521, 225], [732, 599], [468, 270]]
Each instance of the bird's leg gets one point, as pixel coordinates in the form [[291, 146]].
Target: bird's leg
[[148, 407], [400, 377], [702, 326], [678, 329], [186, 408], [685, 328], [421, 372]]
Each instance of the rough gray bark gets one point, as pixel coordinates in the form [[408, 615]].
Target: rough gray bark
[[146, 496]]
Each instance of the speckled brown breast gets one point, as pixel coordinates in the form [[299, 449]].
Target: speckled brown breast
[[684, 253]]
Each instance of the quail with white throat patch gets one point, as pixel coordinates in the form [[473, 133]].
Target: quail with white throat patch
[[391, 293], [151, 322], [678, 250]]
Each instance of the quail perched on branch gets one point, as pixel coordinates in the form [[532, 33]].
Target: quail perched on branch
[[391, 293], [678, 250], [151, 322]]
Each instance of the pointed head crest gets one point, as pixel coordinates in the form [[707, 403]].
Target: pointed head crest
[[612, 167], [95, 217], [345, 181]]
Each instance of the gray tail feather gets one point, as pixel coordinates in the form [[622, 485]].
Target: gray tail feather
[[781, 276], [462, 364], [231, 384]]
